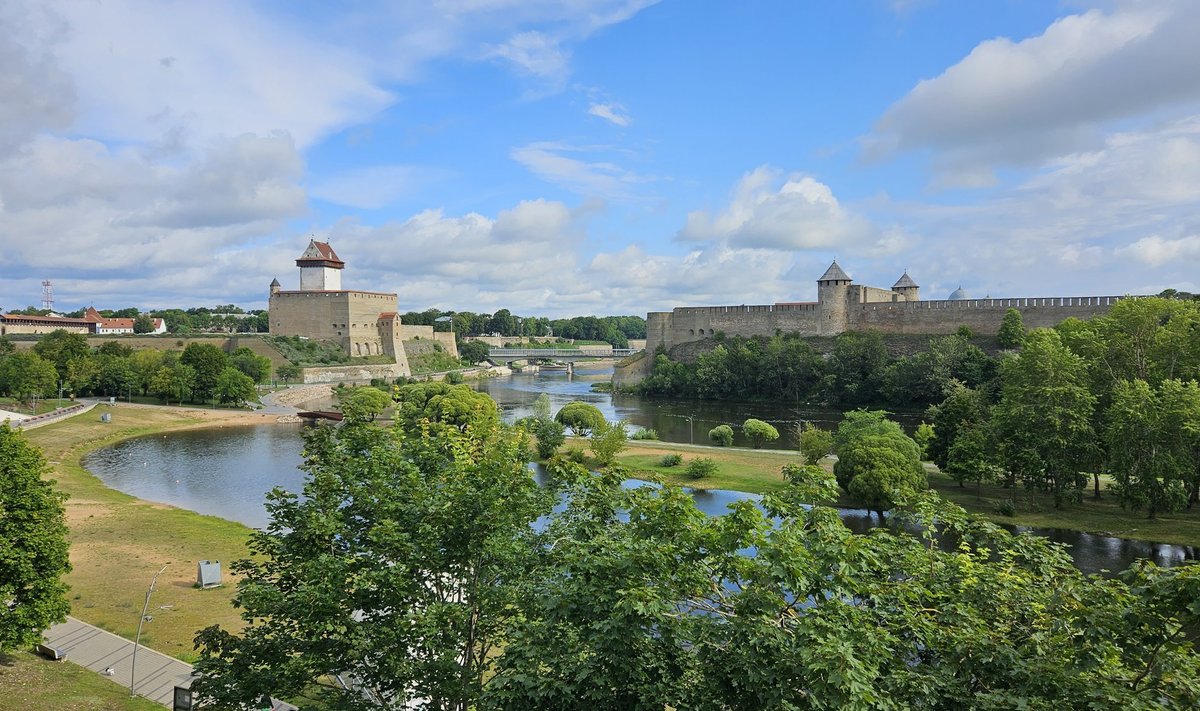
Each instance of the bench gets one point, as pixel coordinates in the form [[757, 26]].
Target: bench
[[51, 653]]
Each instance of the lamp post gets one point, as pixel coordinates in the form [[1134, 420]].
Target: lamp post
[[691, 421], [138, 638]]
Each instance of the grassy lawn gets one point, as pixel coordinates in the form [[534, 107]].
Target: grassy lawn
[[118, 542], [752, 470], [42, 406], [30, 682]]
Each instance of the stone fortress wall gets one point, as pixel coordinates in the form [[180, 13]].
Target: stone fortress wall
[[844, 306], [349, 318]]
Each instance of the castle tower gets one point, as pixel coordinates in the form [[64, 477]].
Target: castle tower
[[275, 286], [833, 299], [906, 287], [320, 268]]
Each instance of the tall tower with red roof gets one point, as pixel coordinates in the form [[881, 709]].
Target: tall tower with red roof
[[320, 268]]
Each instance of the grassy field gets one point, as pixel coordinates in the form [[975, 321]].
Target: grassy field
[[40, 408], [28, 682], [118, 542]]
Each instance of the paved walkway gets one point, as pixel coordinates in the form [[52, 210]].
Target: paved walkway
[[92, 647], [80, 407]]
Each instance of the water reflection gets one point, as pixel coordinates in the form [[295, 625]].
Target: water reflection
[[227, 472]]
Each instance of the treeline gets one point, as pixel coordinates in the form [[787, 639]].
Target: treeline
[[64, 362], [223, 318], [1115, 395], [616, 330], [787, 368]]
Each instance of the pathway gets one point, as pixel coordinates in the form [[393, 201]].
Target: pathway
[[92, 647]]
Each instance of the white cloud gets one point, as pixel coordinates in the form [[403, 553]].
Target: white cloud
[[376, 186], [613, 113], [551, 162], [1019, 103], [769, 211], [535, 53], [1157, 251]]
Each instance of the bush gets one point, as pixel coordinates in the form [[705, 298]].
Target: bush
[[580, 416], [759, 432], [1008, 507], [454, 377], [576, 455], [721, 435], [646, 434], [670, 460], [549, 435], [608, 440], [701, 467], [815, 443]]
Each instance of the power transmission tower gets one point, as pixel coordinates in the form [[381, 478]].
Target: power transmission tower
[[47, 295]]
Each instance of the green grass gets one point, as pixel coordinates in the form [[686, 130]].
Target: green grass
[[433, 362], [751, 470], [42, 407], [30, 682], [118, 542]]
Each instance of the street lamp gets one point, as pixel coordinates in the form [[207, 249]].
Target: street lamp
[[138, 638], [691, 421]]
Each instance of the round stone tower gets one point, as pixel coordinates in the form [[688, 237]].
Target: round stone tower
[[907, 288], [833, 300]]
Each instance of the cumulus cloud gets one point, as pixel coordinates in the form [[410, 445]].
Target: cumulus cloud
[[769, 211], [1019, 103], [1157, 251], [613, 113]]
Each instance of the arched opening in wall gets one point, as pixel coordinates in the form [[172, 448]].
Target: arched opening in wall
[[357, 349], [710, 332], [691, 331]]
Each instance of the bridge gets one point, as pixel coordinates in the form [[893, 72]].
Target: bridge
[[563, 354]]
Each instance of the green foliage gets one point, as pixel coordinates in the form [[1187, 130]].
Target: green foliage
[[721, 435], [1044, 417], [549, 433], [701, 467], [441, 405], [1154, 443], [962, 407], [972, 456], [860, 423], [923, 436], [143, 323], [208, 362], [856, 368], [541, 406], [304, 351], [878, 465], [815, 443], [233, 387], [33, 545], [256, 366], [607, 441], [759, 432], [454, 378], [364, 403], [413, 566], [1012, 330], [670, 460], [581, 417], [25, 374], [60, 348], [473, 351], [288, 372], [925, 377], [435, 361]]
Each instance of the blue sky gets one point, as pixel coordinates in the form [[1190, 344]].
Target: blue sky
[[597, 156]]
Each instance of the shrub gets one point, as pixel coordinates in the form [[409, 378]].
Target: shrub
[[1007, 508], [549, 436], [815, 443], [701, 467], [580, 416], [759, 432], [646, 434], [576, 455], [608, 440], [670, 460], [454, 377], [721, 435]]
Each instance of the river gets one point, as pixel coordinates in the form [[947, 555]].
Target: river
[[226, 472]]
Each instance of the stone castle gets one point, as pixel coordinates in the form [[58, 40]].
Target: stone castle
[[364, 323], [842, 305]]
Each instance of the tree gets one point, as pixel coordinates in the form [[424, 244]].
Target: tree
[[60, 348], [143, 323], [923, 436], [1044, 417], [1012, 330], [549, 434], [234, 387], [403, 566], [173, 381], [580, 417], [721, 435], [208, 362], [857, 367], [25, 374], [365, 403], [608, 440], [144, 364], [815, 443], [972, 456], [541, 406], [33, 545], [114, 375], [83, 372], [759, 432], [288, 372], [441, 405], [1151, 436], [880, 469], [962, 407], [252, 364], [473, 351]]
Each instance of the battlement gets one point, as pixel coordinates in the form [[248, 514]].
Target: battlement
[[1058, 302]]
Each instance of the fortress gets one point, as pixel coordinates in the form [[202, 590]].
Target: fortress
[[842, 305], [364, 323]]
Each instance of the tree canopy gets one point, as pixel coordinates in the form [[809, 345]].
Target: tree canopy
[[581, 417]]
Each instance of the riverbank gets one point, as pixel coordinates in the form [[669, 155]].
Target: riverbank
[[118, 541], [758, 472]]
